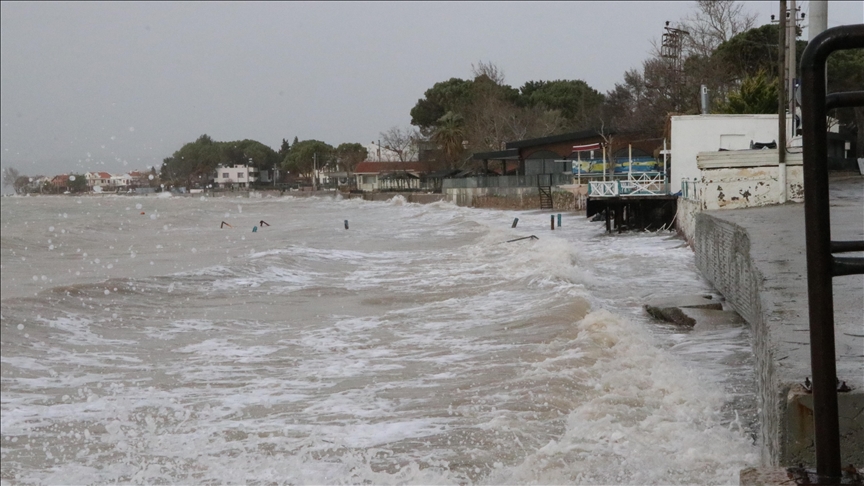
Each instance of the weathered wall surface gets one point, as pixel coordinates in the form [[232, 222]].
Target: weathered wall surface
[[411, 197], [520, 198], [685, 219], [745, 187], [756, 258], [723, 256]]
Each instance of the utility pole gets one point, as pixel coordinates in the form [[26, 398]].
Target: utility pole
[[818, 17], [781, 87], [314, 171], [792, 41]]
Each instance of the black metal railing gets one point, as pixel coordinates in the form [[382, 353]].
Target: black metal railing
[[822, 265]]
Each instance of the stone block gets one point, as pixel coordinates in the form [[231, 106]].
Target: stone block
[[671, 309]]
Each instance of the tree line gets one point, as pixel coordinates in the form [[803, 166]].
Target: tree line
[[22, 184], [720, 47], [195, 161]]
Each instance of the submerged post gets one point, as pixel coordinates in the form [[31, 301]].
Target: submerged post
[[559, 220], [552, 221], [515, 220], [346, 224]]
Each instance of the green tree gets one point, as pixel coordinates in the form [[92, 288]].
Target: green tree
[[750, 52], [642, 101], [192, 162], [239, 152], [20, 184], [196, 161], [77, 183], [300, 158], [348, 155], [490, 112], [576, 101], [153, 178], [10, 175], [451, 95], [449, 135], [284, 149], [758, 94]]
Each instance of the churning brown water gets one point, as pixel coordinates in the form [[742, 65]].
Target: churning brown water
[[142, 343]]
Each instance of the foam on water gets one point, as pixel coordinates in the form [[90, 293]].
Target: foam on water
[[415, 348]]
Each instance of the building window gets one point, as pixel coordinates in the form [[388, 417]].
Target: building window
[[239, 175], [225, 175]]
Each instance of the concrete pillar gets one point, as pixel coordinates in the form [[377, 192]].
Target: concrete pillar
[[818, 17]]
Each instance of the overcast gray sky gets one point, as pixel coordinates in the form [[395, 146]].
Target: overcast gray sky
[[118, 86]]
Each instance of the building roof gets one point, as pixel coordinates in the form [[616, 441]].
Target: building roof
[[510, 154], [564, 137], [383, 167]]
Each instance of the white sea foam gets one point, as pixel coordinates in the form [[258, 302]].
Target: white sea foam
[[418, 347]]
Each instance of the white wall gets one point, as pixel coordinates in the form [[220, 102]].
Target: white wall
[[692, 134]]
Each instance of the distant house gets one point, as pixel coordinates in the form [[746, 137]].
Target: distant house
[[139, 179], [37, 183], [236, 176], [374, 176], [122, 182], [100, 180], [61, 182]]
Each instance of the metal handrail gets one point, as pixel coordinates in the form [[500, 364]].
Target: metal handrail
[[822, 266]]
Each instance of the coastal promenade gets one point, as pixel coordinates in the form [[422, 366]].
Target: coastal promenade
[[756, 258]]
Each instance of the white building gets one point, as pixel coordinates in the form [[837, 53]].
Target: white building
[[122, 181], [97, 181], [235, 176], [692, 134]]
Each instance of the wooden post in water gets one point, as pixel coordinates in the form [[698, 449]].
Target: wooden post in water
[[552, 221], [608, 225]]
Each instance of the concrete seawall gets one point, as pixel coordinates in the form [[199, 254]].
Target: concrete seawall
[[756, 258]]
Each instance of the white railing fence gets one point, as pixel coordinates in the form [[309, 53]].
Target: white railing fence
[[644, 184], [639, 184], [603, 188]]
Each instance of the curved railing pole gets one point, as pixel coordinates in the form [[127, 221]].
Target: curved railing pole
[[818, 236]]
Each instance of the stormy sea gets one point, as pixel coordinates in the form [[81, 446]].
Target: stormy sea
[[323, 340]]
